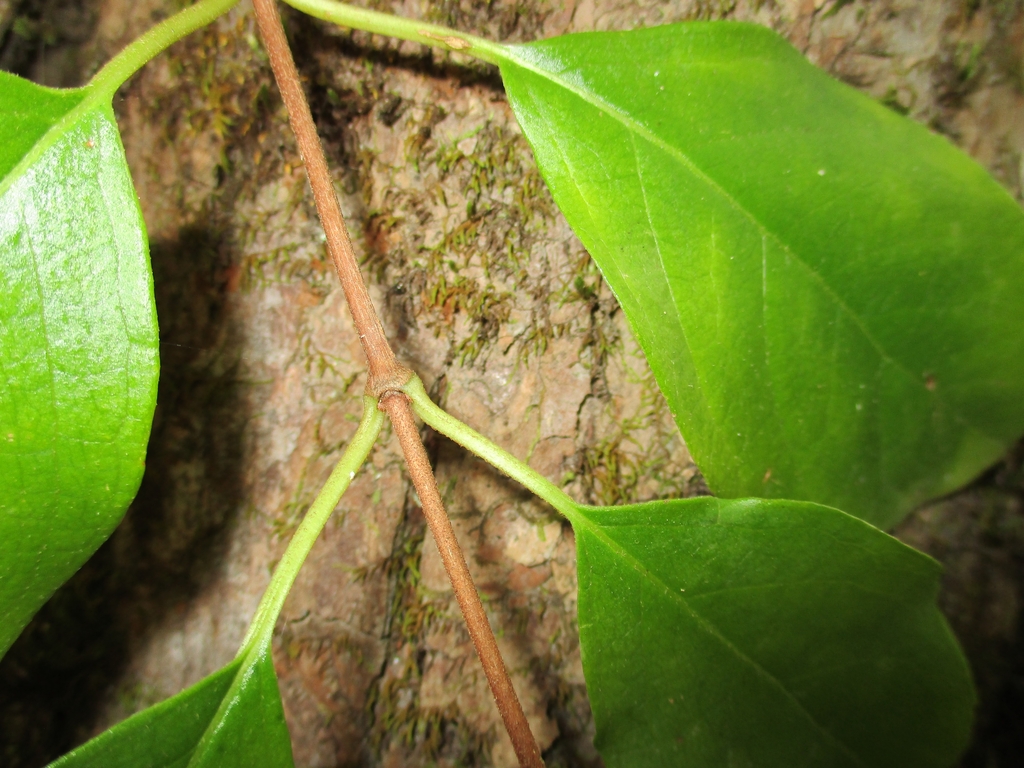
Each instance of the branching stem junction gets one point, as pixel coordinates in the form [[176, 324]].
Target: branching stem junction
[[386, 379]]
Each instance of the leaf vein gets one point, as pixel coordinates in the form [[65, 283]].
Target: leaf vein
[[713, 630]]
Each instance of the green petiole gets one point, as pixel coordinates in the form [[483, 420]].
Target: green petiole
[[476, 443], [99, 92], [404, 29], [153, 42], [320, 510]]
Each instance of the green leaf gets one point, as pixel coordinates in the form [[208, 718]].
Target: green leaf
[[828, 294], [231, 719], [769, 633], [78, 340]]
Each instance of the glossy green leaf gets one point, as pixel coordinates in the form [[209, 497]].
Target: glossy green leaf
[[828, 294], [764, 633], [231, 719], [78, 340]]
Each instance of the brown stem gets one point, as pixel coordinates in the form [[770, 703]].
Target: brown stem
[[385, 371], [387, 375], [397, 407]]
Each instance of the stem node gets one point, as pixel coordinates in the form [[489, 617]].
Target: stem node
[[393, 378]]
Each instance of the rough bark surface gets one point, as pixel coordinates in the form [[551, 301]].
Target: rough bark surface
[[486, 293]]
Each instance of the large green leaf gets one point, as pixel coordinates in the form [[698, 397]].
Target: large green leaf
[[231, 719], [764, 633], [828, 294], [78, 340]]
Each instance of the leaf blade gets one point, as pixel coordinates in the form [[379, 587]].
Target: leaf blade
[[230, 719], [249, 727], [78, 346], [726, 632], [855, 353], [162, 736], [29, 112]]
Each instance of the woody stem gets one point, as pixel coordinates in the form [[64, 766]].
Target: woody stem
[[397, 406], [386, 378]]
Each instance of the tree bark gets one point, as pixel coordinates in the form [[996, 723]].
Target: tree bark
[[487, 295]]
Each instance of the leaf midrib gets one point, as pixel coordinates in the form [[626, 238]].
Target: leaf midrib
[[92, 100], [581, 519], [510, 54]]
